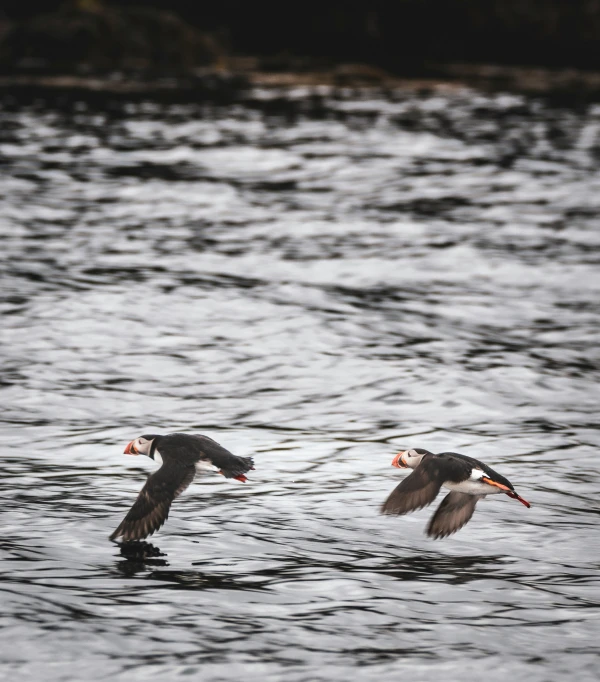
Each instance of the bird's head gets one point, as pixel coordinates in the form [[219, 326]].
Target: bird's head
[[144, 445], [409, 458]]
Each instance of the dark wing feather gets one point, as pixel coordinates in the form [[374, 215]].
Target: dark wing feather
[[151, 508], [452, 514], [422, 486], [414, 492]]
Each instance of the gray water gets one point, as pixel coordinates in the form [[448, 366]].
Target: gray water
[[315, 280]]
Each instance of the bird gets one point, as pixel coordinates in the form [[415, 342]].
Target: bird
[[468, 480], [181, 456]]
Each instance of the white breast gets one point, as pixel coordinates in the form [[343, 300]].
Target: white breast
[[158, 457], [472, 487]]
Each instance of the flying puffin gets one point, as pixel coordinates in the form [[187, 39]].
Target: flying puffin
[[181, 456], [468, 479]]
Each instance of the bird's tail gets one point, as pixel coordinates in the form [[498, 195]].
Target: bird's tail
[[237, 468]]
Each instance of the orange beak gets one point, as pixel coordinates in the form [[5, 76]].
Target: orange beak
[[398, 461], [130, 449]]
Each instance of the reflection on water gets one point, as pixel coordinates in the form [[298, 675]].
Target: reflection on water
[[317, 281]]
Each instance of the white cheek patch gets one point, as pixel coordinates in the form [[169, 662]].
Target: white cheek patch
[[477, 474], [157, 457]]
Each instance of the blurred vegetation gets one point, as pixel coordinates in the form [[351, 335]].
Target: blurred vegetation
[[89, 36]]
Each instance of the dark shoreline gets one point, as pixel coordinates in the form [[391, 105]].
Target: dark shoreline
[[183, 50], [570, 85]]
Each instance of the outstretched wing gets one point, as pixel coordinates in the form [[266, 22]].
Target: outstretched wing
[[151, 508], [420, 488], [452, 514]]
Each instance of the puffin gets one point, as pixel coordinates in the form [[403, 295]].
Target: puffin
[[468, 480], [181, 456]]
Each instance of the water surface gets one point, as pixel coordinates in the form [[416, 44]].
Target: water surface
[[316, 280]]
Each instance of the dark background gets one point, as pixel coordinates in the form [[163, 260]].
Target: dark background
[[403, 36]]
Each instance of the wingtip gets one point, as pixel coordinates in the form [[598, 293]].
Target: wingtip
[[124, 535], [440, 533], [116, 533], [397, 509], [439, 536]]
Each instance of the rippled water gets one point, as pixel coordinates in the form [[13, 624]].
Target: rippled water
[[316, 280]]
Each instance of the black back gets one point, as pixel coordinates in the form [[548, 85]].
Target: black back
[[190, 448], [494, 475]]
